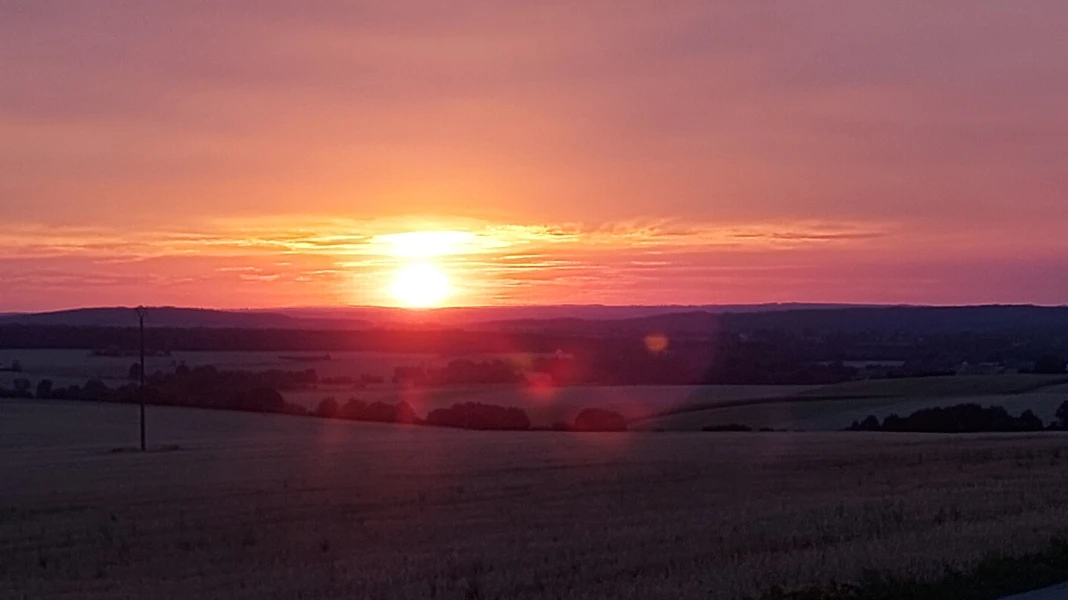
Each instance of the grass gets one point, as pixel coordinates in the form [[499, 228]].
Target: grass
[[265, 506]]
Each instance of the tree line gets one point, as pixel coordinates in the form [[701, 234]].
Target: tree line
[[258, 391], [464, 415], [964, 418]]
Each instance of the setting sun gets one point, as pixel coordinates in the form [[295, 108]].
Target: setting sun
[[420, 285]]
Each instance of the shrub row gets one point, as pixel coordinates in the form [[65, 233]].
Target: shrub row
[[962, 418]]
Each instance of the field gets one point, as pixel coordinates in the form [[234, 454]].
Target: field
[[836, 407], [67, 367], [78, 365], [817, 408], [265, 506], [547, 405], [946, 387]]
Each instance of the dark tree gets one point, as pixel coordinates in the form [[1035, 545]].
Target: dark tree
[[353, 409], [404, 413], [95, 389], [16, 366], [869, 424], [475, 415], [44, 388], [597, 419], [962, 418], [380, 412], [1050, 364], [1029, 421], [134, 373], [729, 427], [1062, 415], [22, 386], [328, 409]]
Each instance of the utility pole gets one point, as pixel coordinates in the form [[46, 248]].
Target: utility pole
[[141, 392]]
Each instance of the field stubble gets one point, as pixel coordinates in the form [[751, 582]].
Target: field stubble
[[262, 506]]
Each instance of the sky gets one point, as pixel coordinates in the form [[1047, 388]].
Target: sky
[[270, 153]]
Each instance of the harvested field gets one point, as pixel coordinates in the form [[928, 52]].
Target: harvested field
[[262, 506]]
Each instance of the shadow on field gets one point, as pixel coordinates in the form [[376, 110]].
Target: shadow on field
[[149, 450]]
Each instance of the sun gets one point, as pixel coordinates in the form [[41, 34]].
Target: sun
[[420, 285]]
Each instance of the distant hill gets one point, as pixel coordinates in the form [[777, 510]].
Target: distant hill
[[519, 316], [919, 320], [591, 321], [696, 322], [173, 317], [922, 320]]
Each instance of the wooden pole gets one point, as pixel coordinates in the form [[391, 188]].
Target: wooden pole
[[141, 391]]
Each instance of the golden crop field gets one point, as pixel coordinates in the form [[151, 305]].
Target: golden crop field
[[263, 506]]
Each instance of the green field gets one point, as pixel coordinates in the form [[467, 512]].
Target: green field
[[265, 506]]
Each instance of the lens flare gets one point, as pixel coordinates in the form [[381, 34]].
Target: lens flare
[[656, 342]]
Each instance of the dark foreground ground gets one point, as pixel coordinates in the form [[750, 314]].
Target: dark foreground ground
[[258, 506], [1059, 592]]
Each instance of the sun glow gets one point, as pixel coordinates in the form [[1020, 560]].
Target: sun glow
[[420, 285], [424, 244]]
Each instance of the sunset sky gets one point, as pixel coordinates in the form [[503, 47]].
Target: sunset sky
[[276, 153]]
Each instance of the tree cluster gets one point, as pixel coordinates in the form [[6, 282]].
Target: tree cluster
[[461, 371], [1050, 364], [207, 387], [766, 362], [358, 410], [962, 418], [203, 387], [728, 427], [476, 415], [20, 389], [598, 419]]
